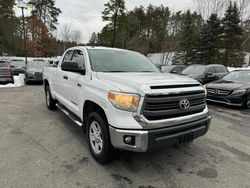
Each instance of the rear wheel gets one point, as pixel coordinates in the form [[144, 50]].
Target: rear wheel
[[26, 82], [247, 102], [50, 102], [98, 138]]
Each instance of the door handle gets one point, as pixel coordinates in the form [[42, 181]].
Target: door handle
[[65, 77], [79, 85]]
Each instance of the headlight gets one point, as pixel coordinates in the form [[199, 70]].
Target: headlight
[[205, 88], [123, 101], [239, 92]]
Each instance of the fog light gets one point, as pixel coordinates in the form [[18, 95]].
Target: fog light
[[130, 140]]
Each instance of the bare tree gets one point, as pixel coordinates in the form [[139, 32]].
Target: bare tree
[[66, 32], [208, 7], [76, 36], [244, 9], [70, 33]]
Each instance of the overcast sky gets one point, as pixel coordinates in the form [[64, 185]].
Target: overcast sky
[[85, 15]]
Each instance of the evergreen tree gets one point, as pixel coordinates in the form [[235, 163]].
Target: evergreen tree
[[46, 11], [207, 50], [191, 25], [232, 37], [94, 39], [113, 11], [10, 40]]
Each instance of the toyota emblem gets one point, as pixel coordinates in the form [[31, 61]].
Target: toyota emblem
[[184, 104]]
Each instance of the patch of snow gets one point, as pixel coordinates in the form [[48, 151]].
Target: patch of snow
[[233, 68], [18, 82]]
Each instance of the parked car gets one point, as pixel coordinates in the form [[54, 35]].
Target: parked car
[[18, 66], [205, 73], [124, 102], [174, 69], [6, 73], [233, 89], [33, 72]]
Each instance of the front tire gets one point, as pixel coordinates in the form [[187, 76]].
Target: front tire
[[98, 138], [50, 102], [247, 102]]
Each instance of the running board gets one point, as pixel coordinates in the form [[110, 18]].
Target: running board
[[72, 116]]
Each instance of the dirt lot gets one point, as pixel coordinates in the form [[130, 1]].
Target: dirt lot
[[39, 148]]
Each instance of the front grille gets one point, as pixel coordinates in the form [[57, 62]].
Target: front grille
[[219, 92], [38, 76], [157, 107]]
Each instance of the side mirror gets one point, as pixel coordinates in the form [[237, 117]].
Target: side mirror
[[174, 71], [72, 67], [209, 74], [55, 64]]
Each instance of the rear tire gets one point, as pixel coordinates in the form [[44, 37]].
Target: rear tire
[[26, 82], [98, 138], [50, 102]]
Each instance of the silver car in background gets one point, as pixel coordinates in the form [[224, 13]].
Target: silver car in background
[[33, 71]]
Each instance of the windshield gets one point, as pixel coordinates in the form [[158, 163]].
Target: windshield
[[196, 70], [242, 76], [37, 65], [119, 61], [17, 63]]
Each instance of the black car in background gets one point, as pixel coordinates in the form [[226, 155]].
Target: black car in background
[[233, 89], [6, 73], [33, 72], [174, 69], [18, 66], [205, 73]]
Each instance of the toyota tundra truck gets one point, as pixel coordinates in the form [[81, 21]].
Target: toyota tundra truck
[[124, 102]]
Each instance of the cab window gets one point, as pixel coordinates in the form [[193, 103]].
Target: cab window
[[78, 57], [67, 56]]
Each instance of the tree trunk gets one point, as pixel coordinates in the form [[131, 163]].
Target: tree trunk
[[114, 29]]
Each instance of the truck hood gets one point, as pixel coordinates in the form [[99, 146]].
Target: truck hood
[[141, 82]]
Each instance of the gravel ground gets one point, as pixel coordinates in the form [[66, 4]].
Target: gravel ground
[[39, 148]]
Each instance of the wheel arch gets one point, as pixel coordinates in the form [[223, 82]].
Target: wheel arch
[[90, 106]]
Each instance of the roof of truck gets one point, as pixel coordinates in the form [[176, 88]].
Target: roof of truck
[[98, 47]]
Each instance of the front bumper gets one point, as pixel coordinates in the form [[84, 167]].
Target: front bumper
[[228, 100], [149, 140], [35, 76]]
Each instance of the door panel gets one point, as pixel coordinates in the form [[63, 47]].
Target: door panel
[[75, 83], [60, 84]]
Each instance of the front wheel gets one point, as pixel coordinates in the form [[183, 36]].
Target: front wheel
[[247, 102], [98, 138]]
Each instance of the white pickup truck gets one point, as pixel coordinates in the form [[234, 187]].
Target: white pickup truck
[[124, 102]]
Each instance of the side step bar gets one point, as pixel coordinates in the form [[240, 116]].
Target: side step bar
[[72, 116]]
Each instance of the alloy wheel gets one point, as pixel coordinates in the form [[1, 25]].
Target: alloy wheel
[[95, 137]]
